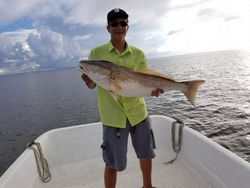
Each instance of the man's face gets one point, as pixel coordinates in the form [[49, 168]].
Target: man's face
[[118, 28]]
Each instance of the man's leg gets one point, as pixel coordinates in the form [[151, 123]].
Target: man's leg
[[110, 177], [144, 144], [114, 149], [146, 169]]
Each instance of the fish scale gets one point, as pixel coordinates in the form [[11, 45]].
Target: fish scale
[[125, 82]]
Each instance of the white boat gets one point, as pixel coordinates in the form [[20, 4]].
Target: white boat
[[75, 160]]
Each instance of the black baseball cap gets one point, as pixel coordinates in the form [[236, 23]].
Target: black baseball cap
[[116, 13]]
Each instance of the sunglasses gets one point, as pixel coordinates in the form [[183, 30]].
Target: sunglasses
[[117, 23]]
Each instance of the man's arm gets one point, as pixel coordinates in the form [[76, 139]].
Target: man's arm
[[86, 79]]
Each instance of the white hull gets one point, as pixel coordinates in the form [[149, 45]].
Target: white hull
[[75, 161]]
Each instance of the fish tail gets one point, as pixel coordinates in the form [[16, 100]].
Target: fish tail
[[192, 89]]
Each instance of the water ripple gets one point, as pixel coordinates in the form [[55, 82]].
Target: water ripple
[[33, 103]]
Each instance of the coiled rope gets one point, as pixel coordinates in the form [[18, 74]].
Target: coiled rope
[[176, 143], [41, 162]]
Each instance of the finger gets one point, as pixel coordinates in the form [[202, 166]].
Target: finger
[[160, 90], [91, 84], [84, 76], [155, 93]]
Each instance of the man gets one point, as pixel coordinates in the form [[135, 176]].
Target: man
[[127, 114]]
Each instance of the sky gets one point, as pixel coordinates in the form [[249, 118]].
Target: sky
[[47, 34]]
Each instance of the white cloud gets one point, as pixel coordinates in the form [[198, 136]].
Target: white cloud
[[47, 44], [13, 46], [83, 38], [38, 48], [66, 30], [11, 10], [75, 48], [209, 26], [209, 36], [2, 71], [82, 12], [15, 53], [14, 36]]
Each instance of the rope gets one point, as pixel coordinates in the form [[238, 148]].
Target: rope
[[176, 144], [41, 162]]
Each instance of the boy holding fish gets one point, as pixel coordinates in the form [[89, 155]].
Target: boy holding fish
[[124, 115]]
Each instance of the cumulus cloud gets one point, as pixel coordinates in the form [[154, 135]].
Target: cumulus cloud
[[81, 12], [64, 31], [47, 44], [39, 48], [14, 51]]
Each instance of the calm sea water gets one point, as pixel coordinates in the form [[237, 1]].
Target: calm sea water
[[33, 103]]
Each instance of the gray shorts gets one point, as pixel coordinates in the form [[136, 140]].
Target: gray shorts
[[114, 146]]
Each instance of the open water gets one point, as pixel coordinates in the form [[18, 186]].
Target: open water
[[35, 102]]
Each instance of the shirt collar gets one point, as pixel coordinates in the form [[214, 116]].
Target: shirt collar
[[127, 50]]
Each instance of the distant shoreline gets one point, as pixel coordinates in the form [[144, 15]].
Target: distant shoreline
[[154, 58]]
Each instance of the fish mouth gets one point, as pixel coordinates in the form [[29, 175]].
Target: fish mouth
[[83, 69]]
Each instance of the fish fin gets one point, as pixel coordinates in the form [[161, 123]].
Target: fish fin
[[115, 86], [154, 73], [192, 89]]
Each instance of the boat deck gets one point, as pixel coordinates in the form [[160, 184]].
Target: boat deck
[[75, 161], [176, 175]]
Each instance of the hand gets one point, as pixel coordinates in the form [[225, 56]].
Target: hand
[[157, 92], [88, 81]]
